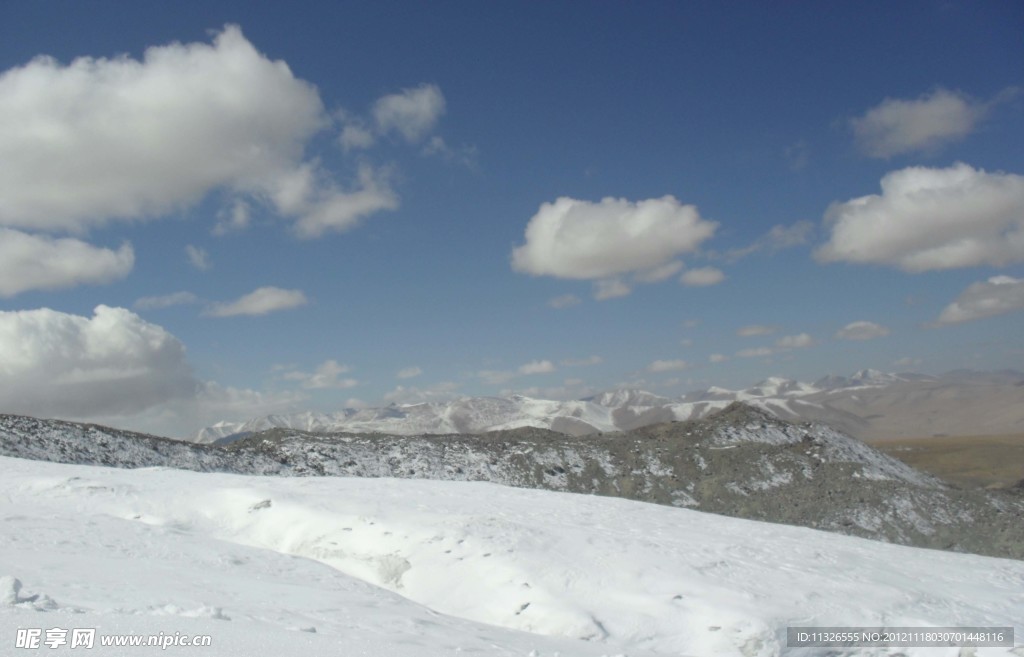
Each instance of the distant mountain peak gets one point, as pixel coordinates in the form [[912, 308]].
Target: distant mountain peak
[[628, 396], [867, 402], [861, 378], [742, 413], [776, 381]]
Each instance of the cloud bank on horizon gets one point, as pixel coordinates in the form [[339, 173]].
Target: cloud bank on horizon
[[312, 240]]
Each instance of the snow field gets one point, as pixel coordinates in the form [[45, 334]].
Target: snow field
[[585, 575]]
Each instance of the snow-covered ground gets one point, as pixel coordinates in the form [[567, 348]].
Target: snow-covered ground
[[340, 566]]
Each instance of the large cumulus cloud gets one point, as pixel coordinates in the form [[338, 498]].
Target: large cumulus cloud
[[930, 219], [583, 240], [126, 139], [57, 364], [38, 262], [114, 368]]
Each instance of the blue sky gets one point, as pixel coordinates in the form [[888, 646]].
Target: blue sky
[[287, 206]]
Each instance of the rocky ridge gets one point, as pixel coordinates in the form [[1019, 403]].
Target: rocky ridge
[[740, 462]]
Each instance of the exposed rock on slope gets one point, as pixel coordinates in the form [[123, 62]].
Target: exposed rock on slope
[[90, 444], [741, 462]]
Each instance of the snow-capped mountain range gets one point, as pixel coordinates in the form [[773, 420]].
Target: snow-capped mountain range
[[869, 403]]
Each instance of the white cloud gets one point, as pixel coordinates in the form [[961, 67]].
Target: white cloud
[[466, 155], [233, 219], [778, 238], [323, 207], [799, 341], [443, 391], [584, 240], [34, 262], [718, 358], [413, 113], [166, 301], [56, 364], [101, 140], [783, 344], [929, 219], [658, 274], [896, 126], [355, 135], [862, 330], [120, 138], [260, 302], [114, 368], [667, 365], [610, 289], [326, 375], [409, 373], [785, 237], [755, 329], [537, 367], [214, 402], [702, 277], [564, 301], [499, 377], [198, 257], [996, 296]]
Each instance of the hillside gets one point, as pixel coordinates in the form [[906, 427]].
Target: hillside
[[340, 566], [741, 462]]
